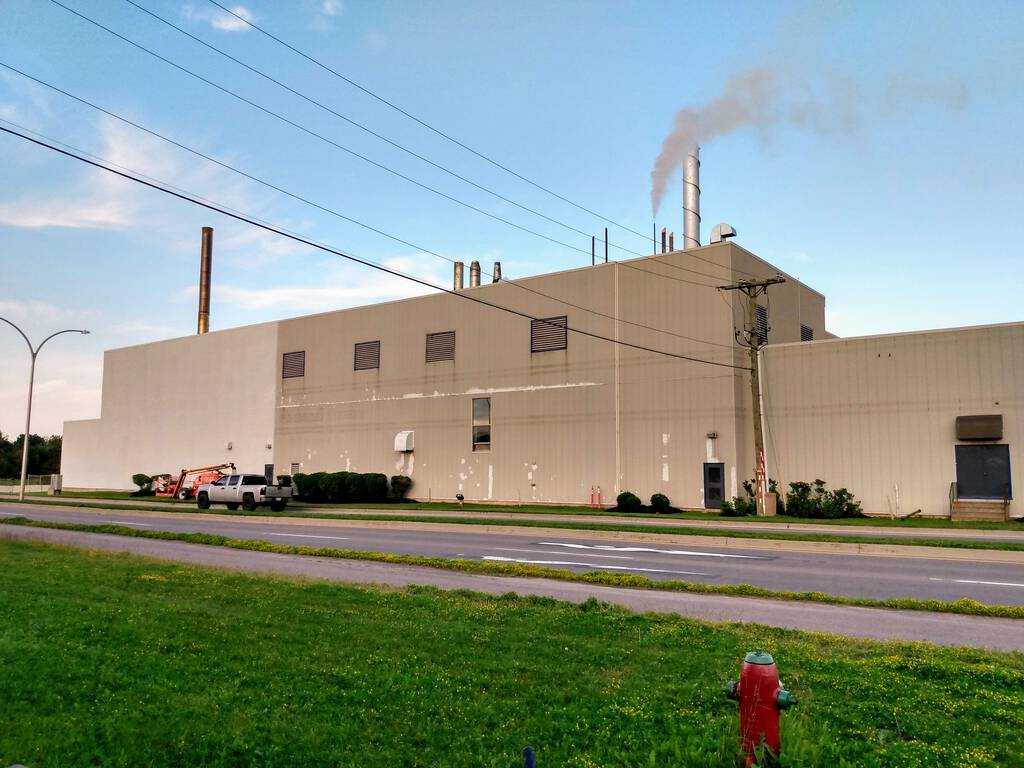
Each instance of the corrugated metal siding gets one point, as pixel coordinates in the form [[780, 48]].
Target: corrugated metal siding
[[878, 415], [549, 334], [440, 346], [367, 355], [293, 365]]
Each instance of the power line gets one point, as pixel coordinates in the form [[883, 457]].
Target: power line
[[368, 130], [307, 201], [373, 265], [426, 125], [358, 155]]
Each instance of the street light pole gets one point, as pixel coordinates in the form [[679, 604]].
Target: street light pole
[[34, 351]]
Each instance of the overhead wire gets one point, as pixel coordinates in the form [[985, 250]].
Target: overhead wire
[[369, 130], [188, 197], [421, 122], [352, 152], [309, 202]]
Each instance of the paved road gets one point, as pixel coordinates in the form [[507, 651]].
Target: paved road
[[770, 566], [962, 534], [879, 624]]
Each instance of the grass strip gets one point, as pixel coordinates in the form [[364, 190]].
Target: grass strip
[[964, 606], [680, 530], [129, 661]]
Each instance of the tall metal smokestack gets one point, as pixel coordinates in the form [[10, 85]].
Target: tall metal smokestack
[[459, 266], [691, 200], [474, 274], [664, 235], [497, 272], [671, 241], [205, 268]]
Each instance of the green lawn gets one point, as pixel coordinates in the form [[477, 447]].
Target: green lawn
[[543, 509], [112, 660]]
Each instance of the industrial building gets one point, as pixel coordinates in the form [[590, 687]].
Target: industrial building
[[543, 406]]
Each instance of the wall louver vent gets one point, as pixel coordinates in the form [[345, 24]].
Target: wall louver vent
[[549, 334], [806, 334], [440, 346], [367, 356], [293, 365]]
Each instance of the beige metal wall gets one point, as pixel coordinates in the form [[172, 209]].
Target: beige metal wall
[[176, 404], [877, 414]]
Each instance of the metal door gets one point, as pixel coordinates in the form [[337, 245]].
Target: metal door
[[714, 485], [268, 473], [983, 471]]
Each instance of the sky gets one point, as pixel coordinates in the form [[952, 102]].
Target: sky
[[871, 149]]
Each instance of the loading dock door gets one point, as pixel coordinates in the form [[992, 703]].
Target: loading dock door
[[983, 471], [714, 485]]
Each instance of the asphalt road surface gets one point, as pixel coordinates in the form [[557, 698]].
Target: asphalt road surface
[[770, 567]]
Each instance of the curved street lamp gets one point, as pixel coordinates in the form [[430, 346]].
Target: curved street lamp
[[31, 382]]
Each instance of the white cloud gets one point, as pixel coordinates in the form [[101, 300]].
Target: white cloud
[[332, 7], [339, 289], [40, 311], [225, 22]]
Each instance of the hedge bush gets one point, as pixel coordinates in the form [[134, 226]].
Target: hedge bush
[[627, 501], [738, 507], [660, 503], [816, 501], [400, 485], [341, 487]]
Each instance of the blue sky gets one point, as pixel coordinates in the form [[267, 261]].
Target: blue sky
[[881, 163]]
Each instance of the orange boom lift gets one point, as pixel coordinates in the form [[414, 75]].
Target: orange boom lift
[[183, 489]]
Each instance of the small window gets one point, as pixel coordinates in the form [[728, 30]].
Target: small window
[[440, 346], [296, 466], [549, 334], [762, 323], [806, 334], [293, 365], [481, 424], [233, 480], [222, 480], [254, 480], [367, 355]]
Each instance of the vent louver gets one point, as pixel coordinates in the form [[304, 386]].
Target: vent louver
[[293, 365], [549, 334], [440, 346], [367, 355]]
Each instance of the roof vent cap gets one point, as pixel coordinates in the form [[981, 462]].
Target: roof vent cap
[[722, 232]]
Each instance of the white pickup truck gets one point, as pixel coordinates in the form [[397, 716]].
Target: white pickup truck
[[245, 491]]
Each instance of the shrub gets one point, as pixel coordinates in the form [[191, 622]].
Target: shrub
[[400, 485], [143, 481], [816, 501], [627, 501], [660, 503], [738, 507], [376, 486], [332, 486], [355, 487], [727, 509], [309, 486]]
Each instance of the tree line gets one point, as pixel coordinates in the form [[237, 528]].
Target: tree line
[[43, 455]]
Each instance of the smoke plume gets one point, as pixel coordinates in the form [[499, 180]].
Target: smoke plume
[[768, 96]]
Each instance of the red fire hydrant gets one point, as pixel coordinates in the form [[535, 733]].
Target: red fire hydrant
[[761, 697]]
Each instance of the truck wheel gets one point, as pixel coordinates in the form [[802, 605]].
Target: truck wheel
[[278, 506], [232, 506], [203, 501], [249, 502], [183, 494]]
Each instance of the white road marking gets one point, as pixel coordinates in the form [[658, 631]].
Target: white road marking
[[609, 547], [546, 552], [11, 514], [126, 522], [591, 565], [308, 536], [986, 583]]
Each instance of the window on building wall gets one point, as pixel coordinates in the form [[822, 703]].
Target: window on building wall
[[549, 334], [762, 323], [440, 346], [481, 424], [806, 334], [293, 365], [367, 355]]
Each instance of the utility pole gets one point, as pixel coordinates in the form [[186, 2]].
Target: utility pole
[[752, 338]]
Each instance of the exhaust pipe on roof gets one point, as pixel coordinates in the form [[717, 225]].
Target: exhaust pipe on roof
[[497, 272], [459, 266], [691, 200], [664, 234], [671, 241], [205, 270], [474, 273]]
